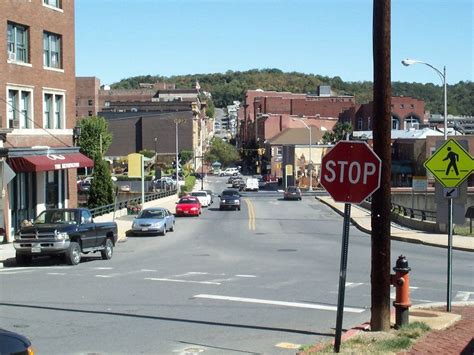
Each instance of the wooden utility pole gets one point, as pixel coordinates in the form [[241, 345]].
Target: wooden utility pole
[[380, 273]]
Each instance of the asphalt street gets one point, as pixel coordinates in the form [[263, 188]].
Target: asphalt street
[[262, 280]]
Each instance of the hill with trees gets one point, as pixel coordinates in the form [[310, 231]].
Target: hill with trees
[[231, 85]]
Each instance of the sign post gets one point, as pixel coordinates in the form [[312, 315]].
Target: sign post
[[350, 172], [450, 164]]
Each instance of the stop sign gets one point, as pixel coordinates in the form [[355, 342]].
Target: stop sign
[[350, 172]]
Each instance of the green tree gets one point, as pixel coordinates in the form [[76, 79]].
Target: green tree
[[94, 136], [339, 132], [221, 151], [147, 153], [102, 188], [210, 109]]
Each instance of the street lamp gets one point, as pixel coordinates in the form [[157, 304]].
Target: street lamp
[[156, 154], [407, 62], [310, 145]]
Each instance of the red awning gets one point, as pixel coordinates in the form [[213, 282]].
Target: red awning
[[35, 163]]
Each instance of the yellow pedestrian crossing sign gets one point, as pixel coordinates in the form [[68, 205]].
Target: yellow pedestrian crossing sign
[[450, 164]]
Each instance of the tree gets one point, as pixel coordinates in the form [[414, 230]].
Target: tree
[[147, 153], [94, 141], [95, 137], [102, 188], [221, 151], [338, 133]]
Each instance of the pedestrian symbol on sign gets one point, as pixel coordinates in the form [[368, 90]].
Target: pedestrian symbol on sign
[[453, 158]]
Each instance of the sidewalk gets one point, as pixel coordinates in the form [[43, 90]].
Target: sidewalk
[[453, 332], [360, 217], [124, 223]]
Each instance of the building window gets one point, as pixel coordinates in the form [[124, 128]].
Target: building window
[[52, 50], [279, 151], [53, 111], [90, 102], [19, 108], [412, 122], [17, 43], [90, 113], [107, 104], [395, 123], [360, 124], [53, 3]]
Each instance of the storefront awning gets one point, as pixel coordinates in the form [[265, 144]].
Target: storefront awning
[[36, 163]]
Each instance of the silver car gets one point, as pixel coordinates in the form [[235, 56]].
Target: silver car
[[155, 220]]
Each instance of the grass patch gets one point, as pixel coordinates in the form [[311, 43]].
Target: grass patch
[[462, 230], [379, 342]]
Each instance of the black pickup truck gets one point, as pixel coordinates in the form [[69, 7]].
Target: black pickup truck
[[68, 232]]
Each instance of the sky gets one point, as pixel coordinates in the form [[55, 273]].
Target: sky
[[117, 39]]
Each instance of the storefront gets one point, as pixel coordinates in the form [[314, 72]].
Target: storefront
[[44, 178]]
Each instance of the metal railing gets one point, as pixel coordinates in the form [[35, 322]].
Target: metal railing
[[423, 215], [101, 210]]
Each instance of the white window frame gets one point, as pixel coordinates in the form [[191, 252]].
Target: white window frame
[[58, 7], [411, 122], [13, 50], [24, 122], [62, 111], [47, 52], [395, 119]]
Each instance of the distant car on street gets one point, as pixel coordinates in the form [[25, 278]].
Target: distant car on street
[[211, 194], [188, 206], [230, 172], [203, 197], [292, 193], [230, 199], [251, 184], [155, 220]]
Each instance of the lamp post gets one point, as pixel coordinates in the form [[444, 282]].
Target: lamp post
[[407, 62], [176, 157], [310, 145]]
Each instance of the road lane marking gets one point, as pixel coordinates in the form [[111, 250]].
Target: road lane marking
[[56, 273], [148, 270], [353, 284], [280, 303], [102, 268], [245, 276], [463, 295], [183, 281], [14, 272], [103, 276], [251, 214]]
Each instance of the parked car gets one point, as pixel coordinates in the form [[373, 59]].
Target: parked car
[[14, 343], [125, 188], [66, 231], [231, 179], [155, 220], [230, 172], [188, 206], [203, 197], [261, 181], [84, 186], [230, 198], [292, 193]]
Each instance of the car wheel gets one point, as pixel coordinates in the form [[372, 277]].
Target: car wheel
[[108, 251], [164, 231], [23, 260], [73, 254], [172, 227], [238, 208]]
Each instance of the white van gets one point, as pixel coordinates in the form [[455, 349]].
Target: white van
[[251, 184], [230, 172]]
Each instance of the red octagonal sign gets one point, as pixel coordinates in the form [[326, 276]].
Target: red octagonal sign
[[350, 172]]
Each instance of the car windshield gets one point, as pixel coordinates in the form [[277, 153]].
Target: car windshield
[[57, 217], [198, 194], [230, 193], [292, 189], [187, 200], [154, 214]]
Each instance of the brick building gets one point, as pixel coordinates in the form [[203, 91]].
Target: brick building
[[37, 108]]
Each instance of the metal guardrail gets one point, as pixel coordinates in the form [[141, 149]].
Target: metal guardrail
[[423, 215], [101, 210]]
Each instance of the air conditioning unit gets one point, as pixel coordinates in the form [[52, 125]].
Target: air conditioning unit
[[11, 55]]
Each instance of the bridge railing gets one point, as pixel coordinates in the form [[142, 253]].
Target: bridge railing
[[101, 210]]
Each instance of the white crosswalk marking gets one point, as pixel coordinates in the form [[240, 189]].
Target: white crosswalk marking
[[183, 281], [463, 295]]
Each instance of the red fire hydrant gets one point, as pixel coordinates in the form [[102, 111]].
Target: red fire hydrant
[[401, 281]]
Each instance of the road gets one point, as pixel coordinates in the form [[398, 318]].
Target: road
[[257, 281]]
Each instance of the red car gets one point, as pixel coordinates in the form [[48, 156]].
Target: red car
[[188, 206]]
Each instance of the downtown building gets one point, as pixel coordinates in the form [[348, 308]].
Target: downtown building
[[37, 109]]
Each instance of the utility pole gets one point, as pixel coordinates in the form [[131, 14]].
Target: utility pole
[[380, 220]]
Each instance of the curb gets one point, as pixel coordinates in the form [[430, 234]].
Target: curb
[[393, 237]]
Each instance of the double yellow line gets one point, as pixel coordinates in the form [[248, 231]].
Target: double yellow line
[[251, 211]]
